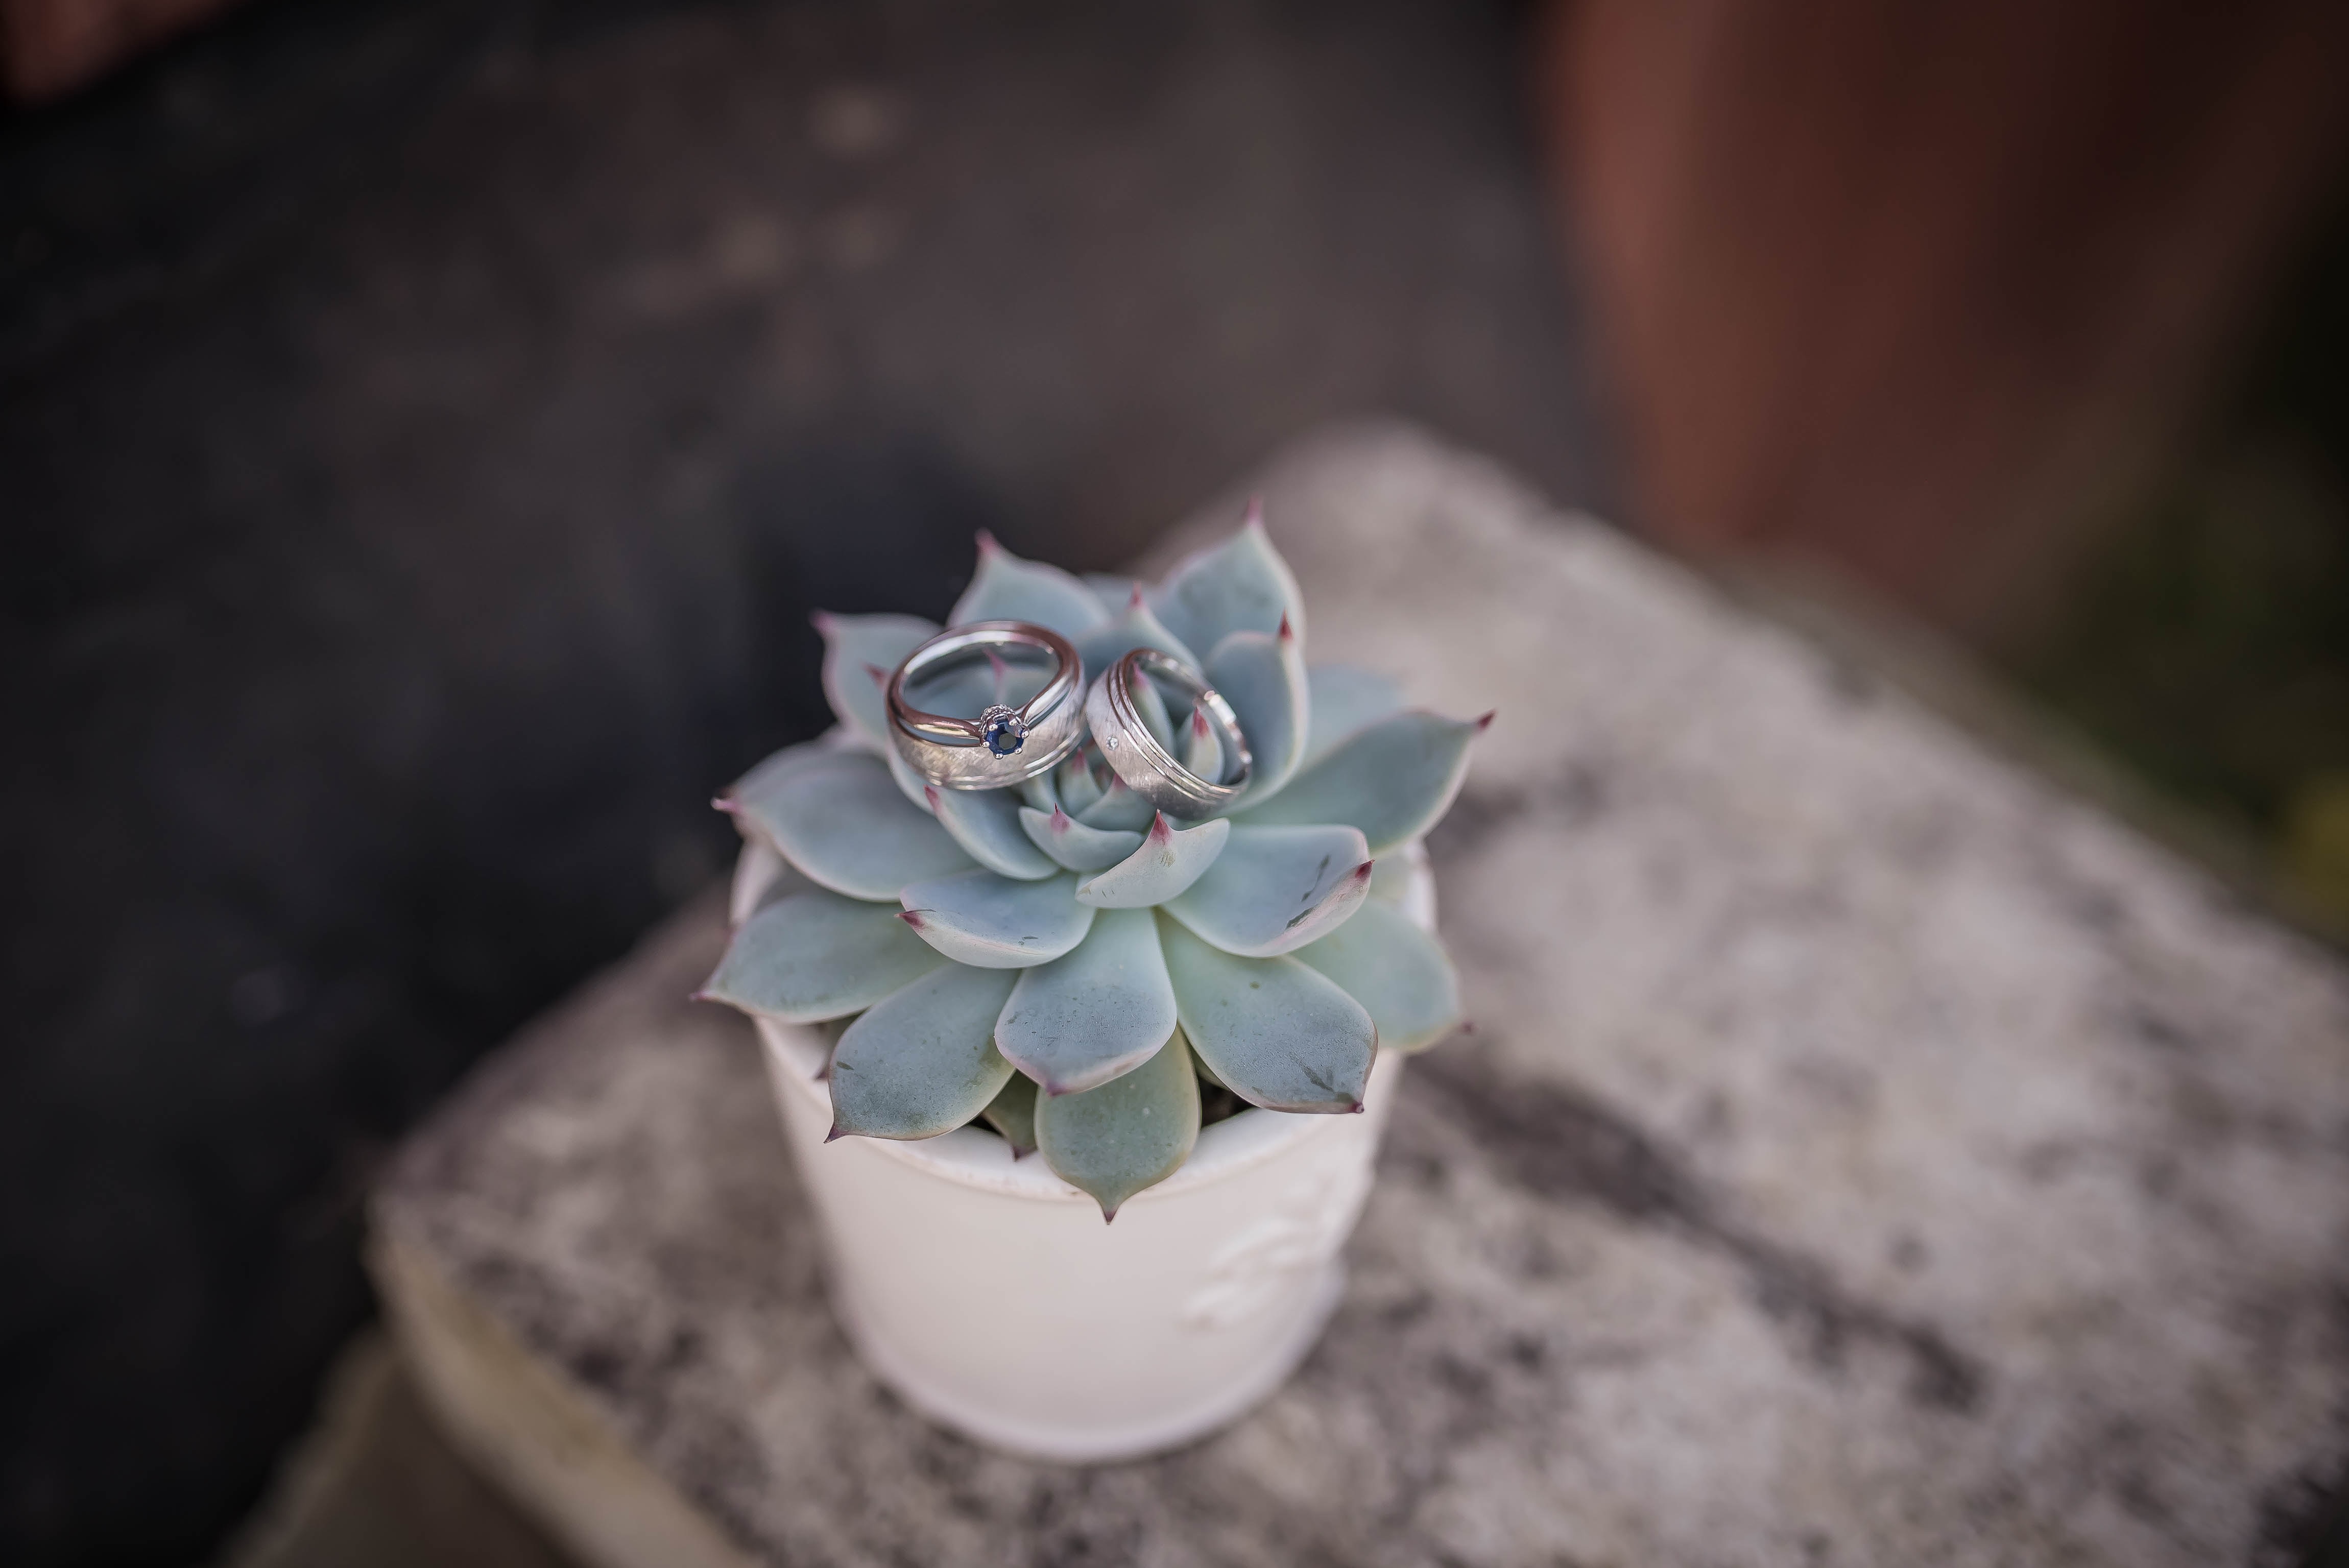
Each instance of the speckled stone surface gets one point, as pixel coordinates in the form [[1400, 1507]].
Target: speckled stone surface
[[1864, 1155]]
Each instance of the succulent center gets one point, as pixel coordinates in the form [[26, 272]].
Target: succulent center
[[1002, 731]]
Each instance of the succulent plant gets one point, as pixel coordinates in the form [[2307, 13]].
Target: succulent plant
[[1061, 962]]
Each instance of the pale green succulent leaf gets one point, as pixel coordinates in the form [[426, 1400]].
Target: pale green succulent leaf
[[1345, 698], [1007, 588], [1118, 807], [1102, 1010], [1277, 1033], [1239, 585], [1012, 1113], [1134, 627], [814, 955], [1393, 780], [921, 1062], [1114, 593], [842, 823], [965, 689], [1168, 860], [993, 922], [1037, 793], [910, 784], [860, 653], [1015, 683], [960, 691], [986, 823], [1400, 975], [1390, 882], [1076, 784], [1276, 889], [1262, 675], [831, 1029], [1203, 747], [1151, 704], [777, 880], [749, 799], [1128, 1134], [1073, 844]]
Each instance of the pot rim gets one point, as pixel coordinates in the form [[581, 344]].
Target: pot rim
[[971, 1158]]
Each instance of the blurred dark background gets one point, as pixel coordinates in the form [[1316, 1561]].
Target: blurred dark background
[[425, 428]]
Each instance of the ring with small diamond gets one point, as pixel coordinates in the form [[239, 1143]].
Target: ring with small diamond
[[1149, 769], [1004, 744]]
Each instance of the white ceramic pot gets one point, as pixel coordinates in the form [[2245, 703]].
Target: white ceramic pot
[[989, 1296]]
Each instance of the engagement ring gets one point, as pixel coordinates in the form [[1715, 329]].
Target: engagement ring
[[1004, 744]]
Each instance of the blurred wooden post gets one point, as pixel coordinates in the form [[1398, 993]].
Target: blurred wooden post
[[50, 48], [1917, 290]]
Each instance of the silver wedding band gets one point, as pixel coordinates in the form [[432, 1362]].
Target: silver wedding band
[[1003, 745], [1147, 768]]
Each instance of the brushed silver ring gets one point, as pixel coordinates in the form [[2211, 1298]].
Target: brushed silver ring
[[1003, 745], [1147, 768]]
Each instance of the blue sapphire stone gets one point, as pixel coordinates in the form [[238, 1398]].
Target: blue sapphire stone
[[1004, 734]]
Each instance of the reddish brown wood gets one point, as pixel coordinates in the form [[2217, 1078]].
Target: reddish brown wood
[[49, 47], [1914, 287]]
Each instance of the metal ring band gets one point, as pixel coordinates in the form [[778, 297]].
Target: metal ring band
[[1147, 768], [1003, 745]]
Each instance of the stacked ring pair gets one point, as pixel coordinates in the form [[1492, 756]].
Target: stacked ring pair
[[1006, 744]]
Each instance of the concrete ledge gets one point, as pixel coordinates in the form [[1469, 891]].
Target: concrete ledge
[[1865, 1155], [534, 1431]]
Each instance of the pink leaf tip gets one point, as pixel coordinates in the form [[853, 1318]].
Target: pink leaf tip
[[1161, 830], [987, 544], [1287, 631], [837, 1131], [822, 621], [912, 917], [1485, 723], [880, 676], [1060, 822], [930, 793], [1255, 518], [1199, 721], [1362, 872], [1134, 602], [725, 803]]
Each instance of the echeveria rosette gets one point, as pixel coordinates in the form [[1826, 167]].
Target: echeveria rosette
[[1061, 961]]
